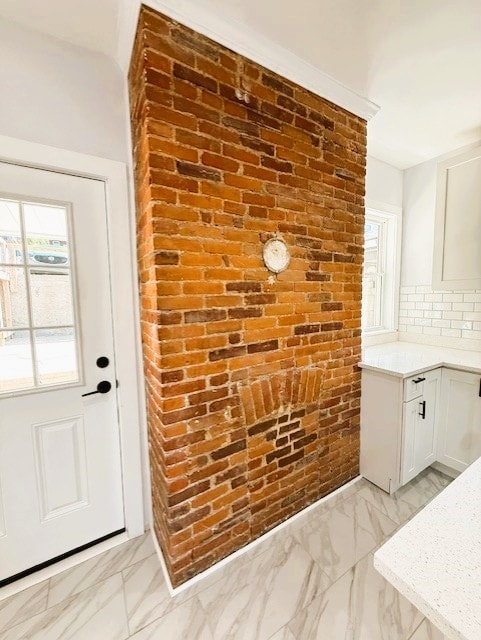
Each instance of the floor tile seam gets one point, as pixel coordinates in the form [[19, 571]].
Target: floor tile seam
[[206, 617], [417, 628], [378, 510], [372, 551], [131, 566], [373, 548], [169, 610], [415, 505], [384, 512], [124, 600], [242, 584], [322, 593]]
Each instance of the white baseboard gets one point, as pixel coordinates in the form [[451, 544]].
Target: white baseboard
[[451, 473], [222, 563]]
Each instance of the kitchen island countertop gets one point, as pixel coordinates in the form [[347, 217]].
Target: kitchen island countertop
[[435, 559]]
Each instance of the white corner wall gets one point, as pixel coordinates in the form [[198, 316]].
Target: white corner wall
[[384, 185], [61, 95]]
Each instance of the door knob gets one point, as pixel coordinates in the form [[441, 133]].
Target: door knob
[[102, 387]]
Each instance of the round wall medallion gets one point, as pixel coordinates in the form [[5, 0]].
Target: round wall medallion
[[276, 255]]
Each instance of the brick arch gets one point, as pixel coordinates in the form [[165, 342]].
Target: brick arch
[[279, 394]]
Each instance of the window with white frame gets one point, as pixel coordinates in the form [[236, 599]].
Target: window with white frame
[[379, 273]]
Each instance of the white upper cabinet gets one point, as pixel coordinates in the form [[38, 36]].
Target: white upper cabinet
[[457, 247]]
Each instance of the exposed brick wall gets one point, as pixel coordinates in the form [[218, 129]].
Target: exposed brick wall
[[252, 384]]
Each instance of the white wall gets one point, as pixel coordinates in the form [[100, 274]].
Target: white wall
[[384, 192], [384, 185], [61, 95], [64, 96]]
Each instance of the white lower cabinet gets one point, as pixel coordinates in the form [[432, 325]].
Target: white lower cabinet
[[459, 425], [419, 428], [408, 424]]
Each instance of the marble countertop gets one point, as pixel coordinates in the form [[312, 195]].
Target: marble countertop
[[404, 359], [435, 559]]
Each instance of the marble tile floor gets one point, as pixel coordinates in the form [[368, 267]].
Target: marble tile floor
[[312, 580]]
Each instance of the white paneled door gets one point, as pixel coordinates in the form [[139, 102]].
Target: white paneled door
[[60, 471]]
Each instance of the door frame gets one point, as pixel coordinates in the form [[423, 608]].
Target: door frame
[[124, 292]]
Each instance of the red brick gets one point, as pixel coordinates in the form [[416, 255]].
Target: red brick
[[252, 382]]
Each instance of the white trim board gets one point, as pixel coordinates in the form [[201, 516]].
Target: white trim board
[[225, 561], [124, 297], [197, 15]]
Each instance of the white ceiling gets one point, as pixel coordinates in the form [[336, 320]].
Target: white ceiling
[[420, 60], [87, 23]]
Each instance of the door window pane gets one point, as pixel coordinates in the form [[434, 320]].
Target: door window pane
[[11, 250], [47, 235], [56, 356], [16, 363], [13, 298], [36, 295], [52, 303]]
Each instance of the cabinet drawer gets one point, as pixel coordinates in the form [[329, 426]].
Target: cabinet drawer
[[414, 387]]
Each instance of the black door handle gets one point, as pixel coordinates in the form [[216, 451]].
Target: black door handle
[[423, 410], [102, 387]]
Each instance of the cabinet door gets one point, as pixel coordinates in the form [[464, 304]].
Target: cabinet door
[[420, 428], [459, 441]]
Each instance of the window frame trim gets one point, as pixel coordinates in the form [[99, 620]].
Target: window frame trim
[[391, 219]]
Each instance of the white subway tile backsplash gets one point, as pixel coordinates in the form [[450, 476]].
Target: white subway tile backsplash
[[432, 331], [461, 324], [452, 297], [423, 305], [442, 324], [451, 333], [423, 322], [472, 315], [416, 329], [452, 314], [463, 306], [423, 289], [472, 335]]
